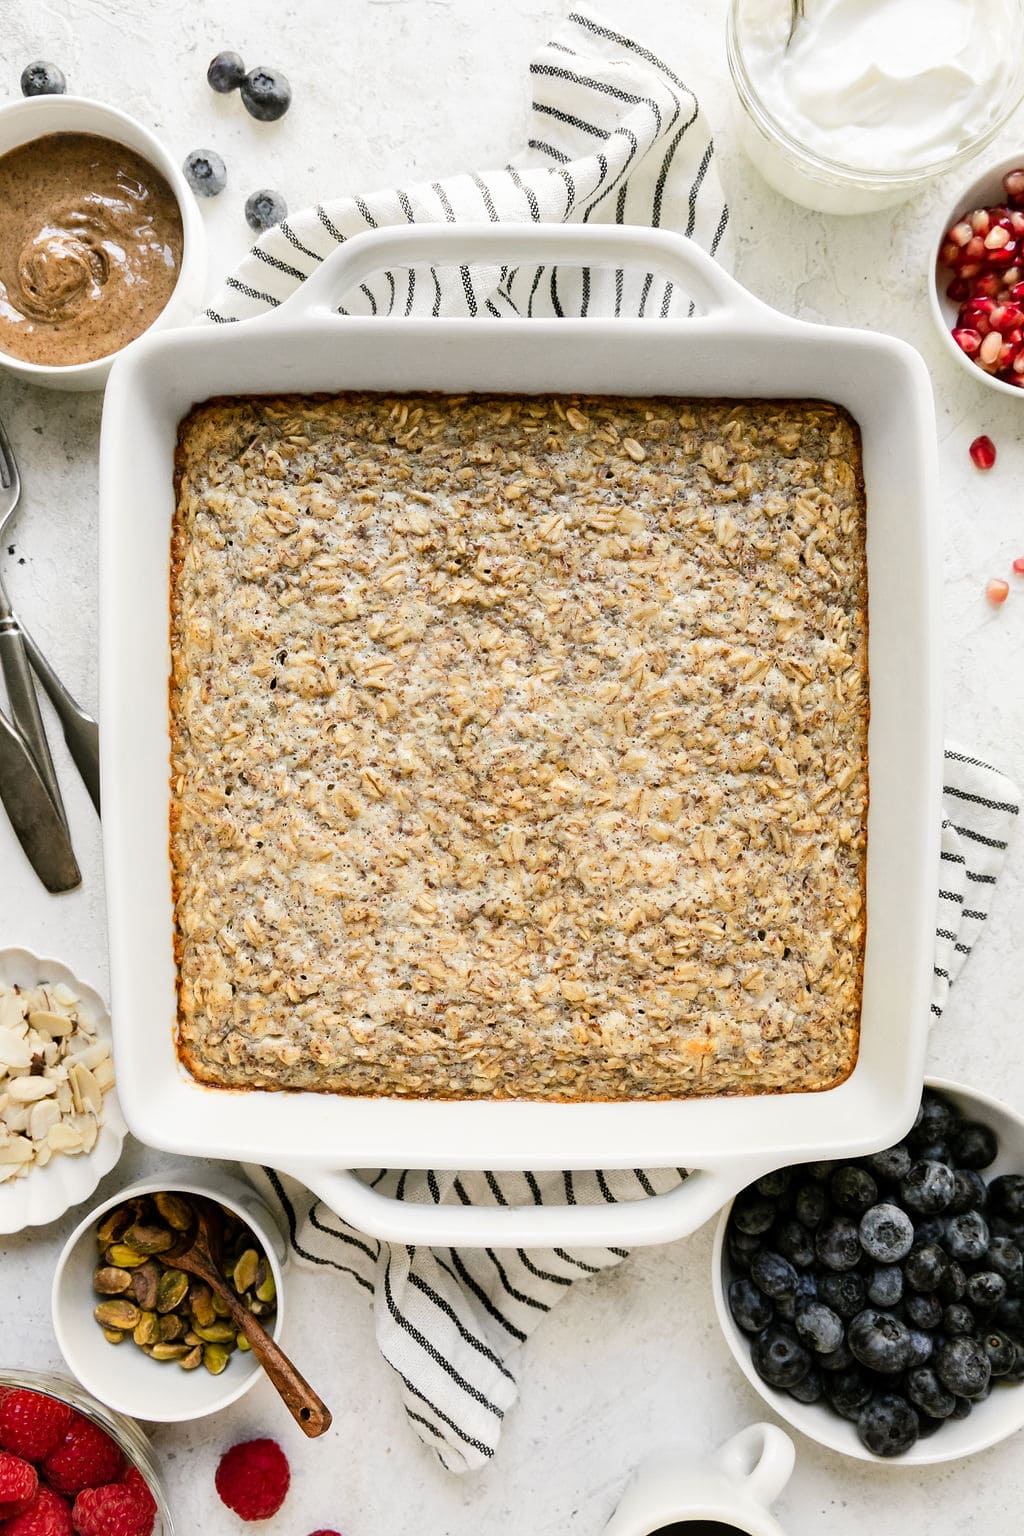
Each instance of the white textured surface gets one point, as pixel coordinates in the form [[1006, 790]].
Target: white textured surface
[[386, 90]]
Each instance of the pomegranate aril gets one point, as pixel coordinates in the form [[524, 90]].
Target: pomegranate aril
[[987, 286], [1004, 256], [961, 233], [997, 590], [1018, 566], [970, 269], [967, 340], [949, 256], [988, 354], [997, 237], [974, 250], [958, 290], [1013, 182], [983, 452], [979, 221]]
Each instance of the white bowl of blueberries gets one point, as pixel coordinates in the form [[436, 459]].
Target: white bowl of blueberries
[[877, 1305]]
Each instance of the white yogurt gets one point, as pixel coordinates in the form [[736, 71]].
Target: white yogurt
[[883, 85]]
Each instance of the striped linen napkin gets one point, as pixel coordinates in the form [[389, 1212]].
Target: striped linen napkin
[[615, 136]]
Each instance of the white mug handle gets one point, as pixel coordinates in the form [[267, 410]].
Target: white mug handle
[[761, 1455]]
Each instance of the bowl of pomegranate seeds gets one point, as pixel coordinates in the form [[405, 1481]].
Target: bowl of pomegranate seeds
[[977, 294]]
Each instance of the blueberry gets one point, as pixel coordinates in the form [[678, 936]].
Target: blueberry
[[819, 1327], [967, 1236], [809, 1388], [886, 1233], [926, 1392], [879, 1341], [958, 1319], [847, 1391], [1016, 1371], [839, 1360], [1009, 1317], [939, 1119], [42, 79], [985, 1290], [845, 1293], [953, 1284], [266, 94], [773, 1274], [1006, 1196], [923, 1311], [205, 172], [930, 1229], [892, 1164], [226, 73], [925, 1267], [742, 1249], [926, 1425], [818, 1170], [852, 1189], [963, 1367], [962, 1409], [1001, 1351], [837, 1244], [774, 1184], [752, 1213], [810, 1204], [974, 1145], [779, 1360], [1006, 1259], [922, 1346], [793, 1241], [888, 1425], [885, 1287], [751, 1310], [968, 1191], [927, 1187], [265, 209]]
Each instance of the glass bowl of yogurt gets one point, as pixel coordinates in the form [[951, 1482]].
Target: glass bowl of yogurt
[[861, 103]]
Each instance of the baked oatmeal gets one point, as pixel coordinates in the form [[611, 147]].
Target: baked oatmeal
[[519, 745]]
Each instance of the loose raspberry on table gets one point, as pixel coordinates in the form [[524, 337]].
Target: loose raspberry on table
[[252, 1479], [32, 1424], [326, 1533], [85, 1458], [115, 1510], [47, 1515], [18, 1483]]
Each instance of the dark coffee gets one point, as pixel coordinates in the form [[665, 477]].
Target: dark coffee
[[699, 1528]]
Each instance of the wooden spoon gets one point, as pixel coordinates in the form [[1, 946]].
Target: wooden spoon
[[198, 1252]]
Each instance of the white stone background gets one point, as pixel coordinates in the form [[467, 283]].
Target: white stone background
[[388, 90]]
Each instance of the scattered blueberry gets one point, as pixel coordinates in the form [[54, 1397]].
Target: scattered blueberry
[[794, 1242], [958, 1320], [892, 1164], [927, 1187], [205, 172], [968, 1191], [837, 1244], [923, 1311], [810, 1388], [1006, 1196], [848, 1391], [963, 1367], [967, 1236], [852, 1189], [839, 1360], [925, 1267], [926, 1392], [985, 1290], [749, 1307], [41, 78], [774, 1184], [266, 94], [888, 1425], [779, 1360], [922, 1347], [974, 1145], [819, 1327], [265, 209], [962, 1409], [1004, 1256], [1009, 1316], [752, 1214], [226, 73], [885, 1287], [810, 1204], [844, 1293], [1001, 1352], [772, 1274], [938, 1120], [886, 1233], [930, 1229], [953, 1283], [879, 1341]]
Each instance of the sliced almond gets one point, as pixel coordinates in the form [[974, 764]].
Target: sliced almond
[[12, 1012], [42, 1117], [14, 1048], [43, 1155], [17, 1150], [85, 1090], [89, 1055], [88, 1129], [56, 1025], [64, 1137], [64, 996], [15, 1117], [103, 1072], [26, 1090]]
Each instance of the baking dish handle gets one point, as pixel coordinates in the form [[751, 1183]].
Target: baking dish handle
[[592, 245], [627, 1223]]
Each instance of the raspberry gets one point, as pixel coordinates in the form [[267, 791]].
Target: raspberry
[[47, 1515], [85, 1458], [115, 1510], [134, 1480], [32, 1424], [326, 1533], [18, 1484], [252, 1479]]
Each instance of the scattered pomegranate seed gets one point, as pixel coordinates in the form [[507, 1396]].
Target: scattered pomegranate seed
[[1018, 566], [968, 341], [997, 590], [983, 452], [961, 233], [989, 351], [980, 221], [1013, 181]]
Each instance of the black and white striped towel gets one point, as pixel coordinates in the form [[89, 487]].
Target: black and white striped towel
[[615, 136]]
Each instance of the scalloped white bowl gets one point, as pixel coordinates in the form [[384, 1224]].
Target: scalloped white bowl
[[1002, 1412], [46, 1193]]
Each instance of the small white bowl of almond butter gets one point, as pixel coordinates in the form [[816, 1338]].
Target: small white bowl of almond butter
[[61, 1127]]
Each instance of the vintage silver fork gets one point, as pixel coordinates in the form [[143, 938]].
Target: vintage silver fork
[[17, 649]]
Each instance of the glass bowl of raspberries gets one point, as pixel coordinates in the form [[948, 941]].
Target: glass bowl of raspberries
[[877, 1304], [977, 288], [70, 1467]]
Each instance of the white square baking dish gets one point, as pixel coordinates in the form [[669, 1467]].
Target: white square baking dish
[[736, 347]]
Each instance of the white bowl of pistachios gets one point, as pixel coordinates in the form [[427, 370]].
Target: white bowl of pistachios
[[61, 1127]]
